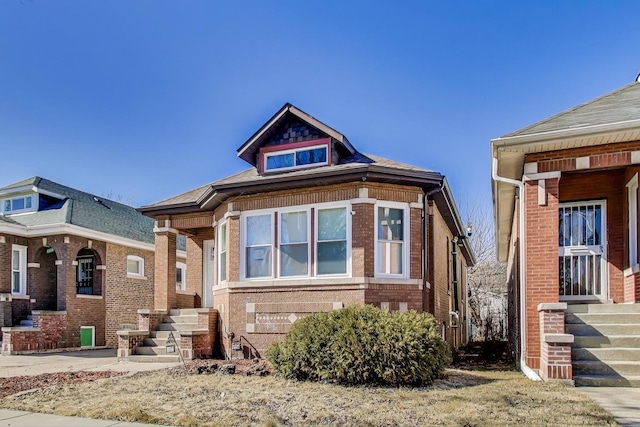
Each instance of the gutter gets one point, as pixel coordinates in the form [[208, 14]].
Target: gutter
[[530, 373], [425, 198]]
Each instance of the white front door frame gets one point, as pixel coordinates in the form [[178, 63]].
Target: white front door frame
[[583, 251], [208, 272]]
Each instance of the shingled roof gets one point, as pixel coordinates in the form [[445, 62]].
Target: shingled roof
[[362, 164], [83, 210], [618, 106]]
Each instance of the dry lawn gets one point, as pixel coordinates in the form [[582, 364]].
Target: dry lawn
[[463, 398]]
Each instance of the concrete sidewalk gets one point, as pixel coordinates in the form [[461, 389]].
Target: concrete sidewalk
[[9, 418], [622, 402], [69, 361]]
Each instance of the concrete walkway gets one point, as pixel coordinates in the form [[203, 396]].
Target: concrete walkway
[[69, 361], [9, 418], [622, 402]]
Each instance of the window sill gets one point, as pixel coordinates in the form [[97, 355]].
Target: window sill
[[631, 270], [19, 296], [85, 296], [360, 282], [136, 277]]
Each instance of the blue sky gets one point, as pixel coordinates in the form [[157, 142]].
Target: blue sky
[[148, 99]]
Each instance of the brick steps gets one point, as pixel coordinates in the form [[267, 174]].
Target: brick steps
[[606, 348]]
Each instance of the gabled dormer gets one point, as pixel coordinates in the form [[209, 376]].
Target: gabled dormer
[[292, 140]]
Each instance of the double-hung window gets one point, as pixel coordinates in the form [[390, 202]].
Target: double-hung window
[[391, 239], [181, 276], [222, 252], [294, 244], [18, 270], [258, 243], [331, 241]]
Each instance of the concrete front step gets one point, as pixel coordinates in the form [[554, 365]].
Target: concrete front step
[[606, 354], [160, 342], [154, 359], [603, 318], [177, 326], [603, 308], [600, 341], [606, 381], [180, 319], [580, 329], [183, 312], [596, 367], [152, 351]]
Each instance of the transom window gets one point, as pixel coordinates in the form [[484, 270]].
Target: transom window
[[391, 240], [284, 244], [18, 204], [296, 158]]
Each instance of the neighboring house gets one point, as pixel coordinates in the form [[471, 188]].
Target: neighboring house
[[565, 194], [74, 267], [314, 225]]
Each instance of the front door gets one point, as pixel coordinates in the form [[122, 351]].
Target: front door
[[208, 258], [582, 250]]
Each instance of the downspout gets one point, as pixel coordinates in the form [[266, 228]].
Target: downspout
[[530, 373], [425, 198]]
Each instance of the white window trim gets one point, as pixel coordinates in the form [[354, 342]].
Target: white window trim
[[405, 243], [347, 207], [140, 262], [22, 286], [632, 199], [182, 266], [222, 249], [33, 208], [243, 246], [295, 150], [294, 209], [276, 251]]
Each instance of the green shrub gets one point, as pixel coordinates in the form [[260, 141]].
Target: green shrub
[[362, 345]]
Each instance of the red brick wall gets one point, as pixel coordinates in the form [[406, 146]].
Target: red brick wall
[[542, 260], [125, 295]]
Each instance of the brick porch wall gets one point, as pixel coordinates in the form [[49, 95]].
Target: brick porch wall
[[541, 228]]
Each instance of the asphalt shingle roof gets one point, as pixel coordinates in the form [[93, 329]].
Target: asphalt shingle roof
[[618, 106], [355, 162], [86, 210]]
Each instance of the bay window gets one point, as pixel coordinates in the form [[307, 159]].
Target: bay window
[[304, 241], [391, 240]]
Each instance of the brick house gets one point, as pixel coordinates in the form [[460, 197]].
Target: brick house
[[565, 194], [313, 225], [74, 267]]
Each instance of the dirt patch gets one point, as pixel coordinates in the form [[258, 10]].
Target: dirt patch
[[13, 385]]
